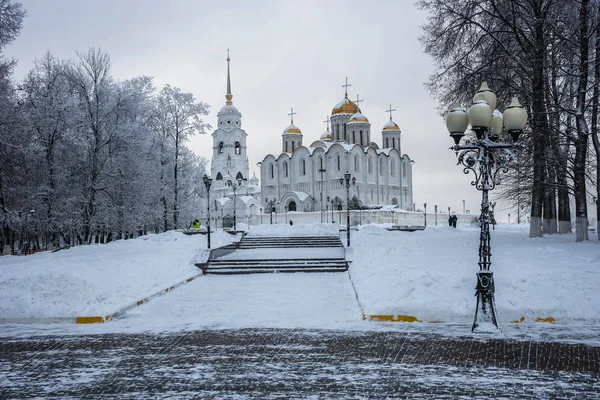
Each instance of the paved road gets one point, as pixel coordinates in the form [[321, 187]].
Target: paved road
[[279, 363]]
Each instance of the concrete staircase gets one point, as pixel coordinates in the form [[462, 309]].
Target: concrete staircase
[[261, 254], [262, 242]]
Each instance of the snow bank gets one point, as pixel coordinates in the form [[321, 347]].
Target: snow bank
[[98, 279], [431, 274]]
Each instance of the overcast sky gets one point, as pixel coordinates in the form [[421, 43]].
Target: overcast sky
[[284, 54]]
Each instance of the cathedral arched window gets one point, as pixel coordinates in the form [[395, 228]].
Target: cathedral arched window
[[404, 170], [238, 148], [392, 167], [339, 163], [381, 166], [219, 177], [320, 162], [286, 168], [286, 147], [239, 176], [353, 136], [303, 167], [387, 142], [394, 142], [361, 138], [356, 163], [271, 170], [220, 147], [293, 146], [370, 166]]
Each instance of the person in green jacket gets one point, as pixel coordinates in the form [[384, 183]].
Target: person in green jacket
[[196, 224]]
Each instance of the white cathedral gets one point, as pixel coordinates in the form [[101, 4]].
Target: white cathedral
[[302, 178]]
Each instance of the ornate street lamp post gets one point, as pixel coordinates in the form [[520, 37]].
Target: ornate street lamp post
[[348, 180], [485, 156], [435, 213], [235, 185], [492, 215], [332, 216], [425, 213], [321, 171], [207, 183]]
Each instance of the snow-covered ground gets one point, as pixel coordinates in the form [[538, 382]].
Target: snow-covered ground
[[431, 274], [428, 274], [98, 279]]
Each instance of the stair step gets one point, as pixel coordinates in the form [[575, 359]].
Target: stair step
[[283, 260], [306, 266], [270, 271]]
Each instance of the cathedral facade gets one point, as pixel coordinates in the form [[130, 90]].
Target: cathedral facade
[[307, 178]]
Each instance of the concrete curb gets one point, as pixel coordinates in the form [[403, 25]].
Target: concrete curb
[[362, 311], [123, 311]]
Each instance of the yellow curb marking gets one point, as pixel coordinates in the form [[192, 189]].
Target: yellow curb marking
[[89, 320], [139, 303], [518, 321], [394, 318], [549, 320]]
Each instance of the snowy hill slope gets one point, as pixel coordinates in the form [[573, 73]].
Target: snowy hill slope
[[428, 274]]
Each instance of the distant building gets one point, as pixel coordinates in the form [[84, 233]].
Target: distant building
[[306, 178], [229, 168]]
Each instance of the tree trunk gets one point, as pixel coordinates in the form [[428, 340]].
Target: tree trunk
[[540, 127], [595, 105], [581, 140]]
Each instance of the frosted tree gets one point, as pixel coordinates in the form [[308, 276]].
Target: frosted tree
[[11, 143], [176, 116], [48, 107], [528, 49]]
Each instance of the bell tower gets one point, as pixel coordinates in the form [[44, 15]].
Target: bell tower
[[229, 143]]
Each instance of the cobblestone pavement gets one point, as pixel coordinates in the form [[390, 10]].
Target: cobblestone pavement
[[276, 363]]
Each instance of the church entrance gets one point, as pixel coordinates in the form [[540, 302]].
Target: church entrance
[[292, 206]]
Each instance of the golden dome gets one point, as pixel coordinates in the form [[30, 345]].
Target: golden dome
[[292, 130], [391, 126], [358, 118], [326, 136], [346, 106]]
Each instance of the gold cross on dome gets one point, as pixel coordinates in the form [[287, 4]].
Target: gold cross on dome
[[390, 111], [358, 100], [327, 123], [346, 86], [291, 114]]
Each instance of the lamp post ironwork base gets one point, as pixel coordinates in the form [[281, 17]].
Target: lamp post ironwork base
[[485, 313]]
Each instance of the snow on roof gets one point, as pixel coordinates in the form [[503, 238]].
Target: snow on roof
[[345, 100], [390, 207], [229, 109], [222, 200], [301, 195]]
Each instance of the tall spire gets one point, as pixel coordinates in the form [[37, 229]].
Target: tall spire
[[228, 96]]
